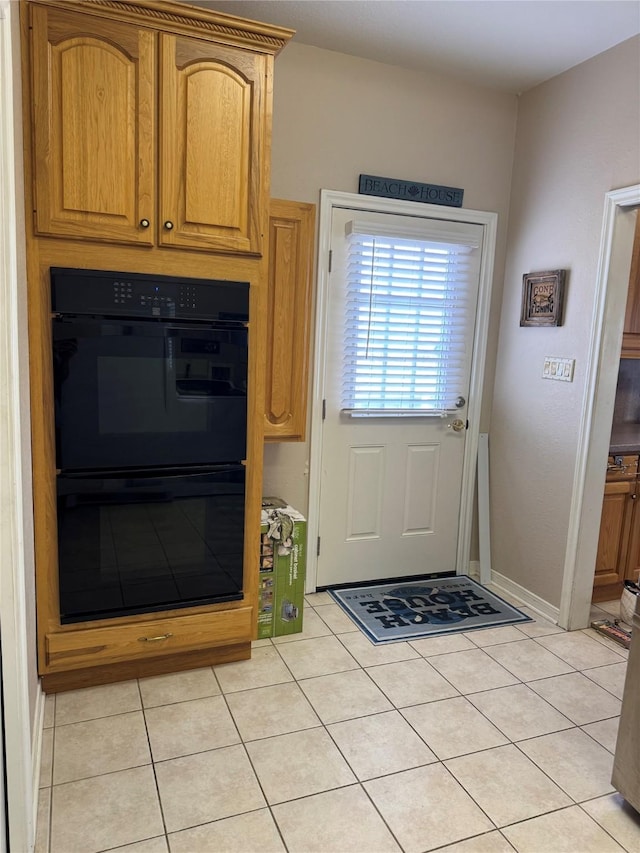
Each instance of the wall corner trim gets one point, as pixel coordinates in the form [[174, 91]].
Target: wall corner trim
[[18, 762]]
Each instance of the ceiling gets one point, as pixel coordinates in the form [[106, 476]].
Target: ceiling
[[510, 45]]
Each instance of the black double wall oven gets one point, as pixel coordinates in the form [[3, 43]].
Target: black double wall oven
[[150, 391]]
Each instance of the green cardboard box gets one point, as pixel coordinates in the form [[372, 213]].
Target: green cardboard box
[[283, 552]]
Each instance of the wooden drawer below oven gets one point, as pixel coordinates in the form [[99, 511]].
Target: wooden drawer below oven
[[94, 646]]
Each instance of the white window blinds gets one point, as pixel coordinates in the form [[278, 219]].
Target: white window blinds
[[409, 319]]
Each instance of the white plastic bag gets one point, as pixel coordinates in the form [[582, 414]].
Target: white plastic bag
[[628, 602]]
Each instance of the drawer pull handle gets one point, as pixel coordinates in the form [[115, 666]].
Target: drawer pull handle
[[154, 639]]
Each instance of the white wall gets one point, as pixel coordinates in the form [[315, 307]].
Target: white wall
[[337, 116], [578, 137]]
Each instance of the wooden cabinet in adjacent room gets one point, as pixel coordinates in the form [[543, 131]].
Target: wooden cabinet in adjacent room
[[632, 570], [146, 135], [291, 248], [618, 556]]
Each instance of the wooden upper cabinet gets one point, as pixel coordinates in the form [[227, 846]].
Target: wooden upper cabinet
[[631, 336], [291, 247], [213, 164], [93, 125], [103, 83]]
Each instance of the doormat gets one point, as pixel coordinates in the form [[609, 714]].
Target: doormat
[[391, 612]]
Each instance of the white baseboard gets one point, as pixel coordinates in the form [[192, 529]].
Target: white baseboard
[[474, 569], [503, 584], [530, 599]]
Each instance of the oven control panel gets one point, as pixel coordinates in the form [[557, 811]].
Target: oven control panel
[[90, 292]]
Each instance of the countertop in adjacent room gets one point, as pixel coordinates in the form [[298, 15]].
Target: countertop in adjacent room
[[625, 439]]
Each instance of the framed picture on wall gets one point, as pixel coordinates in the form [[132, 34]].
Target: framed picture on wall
[[542, 298]]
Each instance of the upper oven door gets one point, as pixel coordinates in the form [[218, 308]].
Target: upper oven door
[[147, 393]]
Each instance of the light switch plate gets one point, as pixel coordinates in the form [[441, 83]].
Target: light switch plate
[[558, 368]]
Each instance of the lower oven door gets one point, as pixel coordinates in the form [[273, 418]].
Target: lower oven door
[[142, 394], [138, 542]]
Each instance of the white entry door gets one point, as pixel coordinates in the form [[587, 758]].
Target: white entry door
[[400, 321]]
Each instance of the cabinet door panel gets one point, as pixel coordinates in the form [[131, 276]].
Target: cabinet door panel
[[93, 127], [632, 570], [212, 165], [291, 243], [615, 526]]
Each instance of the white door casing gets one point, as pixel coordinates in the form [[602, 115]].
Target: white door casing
[[391, 486], [331, 200], [18, 752], [598, 402]]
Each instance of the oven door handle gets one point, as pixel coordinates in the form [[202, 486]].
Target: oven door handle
[[170, 376], [154, 473]]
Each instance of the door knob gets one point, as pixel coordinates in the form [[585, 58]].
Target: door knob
[[457, 425]]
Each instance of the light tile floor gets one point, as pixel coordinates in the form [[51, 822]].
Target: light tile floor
[[485, 742]]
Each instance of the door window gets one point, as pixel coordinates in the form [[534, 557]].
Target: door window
[[406, 342]]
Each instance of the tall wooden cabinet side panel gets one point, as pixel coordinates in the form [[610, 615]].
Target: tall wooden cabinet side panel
[[631, 334], [94, 126], [43, 453], [214, 174], [291, 245]]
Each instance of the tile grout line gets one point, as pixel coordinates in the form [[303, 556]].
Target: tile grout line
[[603, 828], [358, 781], [251, 764], [153, 764], [395, 708], [361, 667], [514, 743], [553, 781]]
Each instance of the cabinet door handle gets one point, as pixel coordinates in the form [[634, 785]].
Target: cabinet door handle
[[144, 223], [168, 225], [155, 639], [633, 497]]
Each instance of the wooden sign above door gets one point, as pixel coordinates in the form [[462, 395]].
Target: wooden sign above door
[[410, 190]]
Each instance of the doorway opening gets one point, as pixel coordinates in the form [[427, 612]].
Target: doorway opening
[[595, 430]]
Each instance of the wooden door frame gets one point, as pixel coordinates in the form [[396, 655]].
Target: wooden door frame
[[330, 199], [610, 300]]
